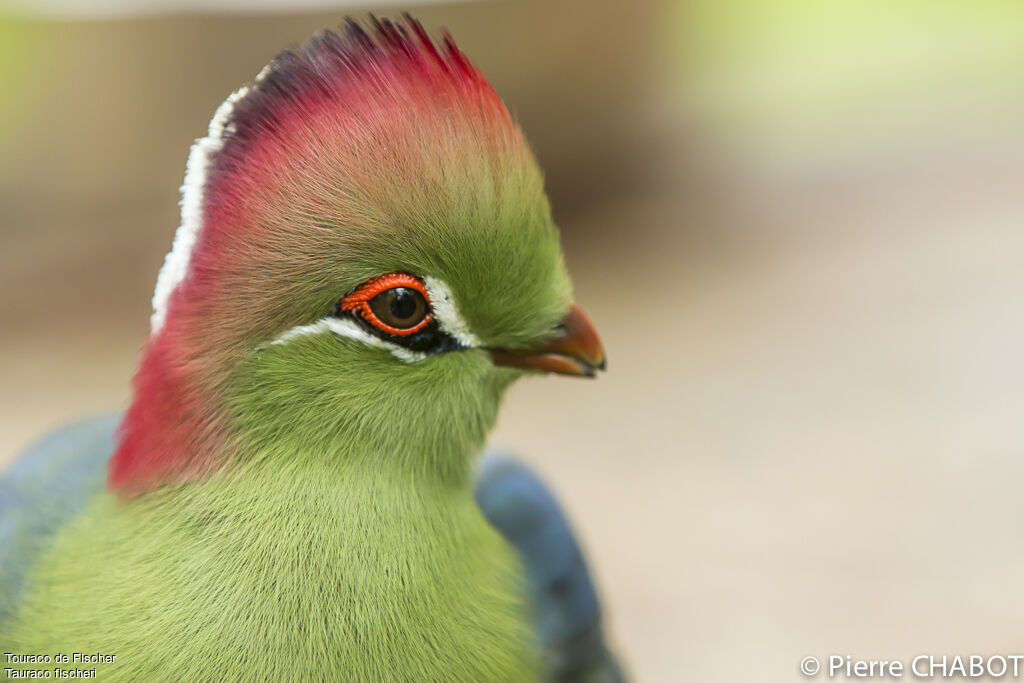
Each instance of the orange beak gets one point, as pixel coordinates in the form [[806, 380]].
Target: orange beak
[[576, 350]]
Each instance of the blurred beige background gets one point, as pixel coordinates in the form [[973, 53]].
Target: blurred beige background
[[798, 225]]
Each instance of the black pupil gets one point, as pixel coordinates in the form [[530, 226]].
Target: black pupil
[[400, 307], [403, 303]]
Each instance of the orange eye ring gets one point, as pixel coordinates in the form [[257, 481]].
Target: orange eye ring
[[359, 301]]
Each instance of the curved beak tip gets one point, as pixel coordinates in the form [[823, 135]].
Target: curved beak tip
[[576, 350]]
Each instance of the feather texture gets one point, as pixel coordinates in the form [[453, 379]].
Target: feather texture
[[568, 612], [305, 510], [362, 153], [42, 491], [49, 485]]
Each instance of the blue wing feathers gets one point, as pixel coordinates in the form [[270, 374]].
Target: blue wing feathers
[[42, 490], [53, 481], [568, 612]]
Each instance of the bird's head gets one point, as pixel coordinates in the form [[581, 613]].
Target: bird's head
[[366, 260]]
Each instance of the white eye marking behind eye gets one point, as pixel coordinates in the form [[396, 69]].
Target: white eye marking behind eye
[[348, 329], [445, 312], [448, 318]]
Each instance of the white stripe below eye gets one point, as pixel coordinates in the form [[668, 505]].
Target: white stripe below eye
[[447, 315], [177, 261], [445, 312], [348, 329]]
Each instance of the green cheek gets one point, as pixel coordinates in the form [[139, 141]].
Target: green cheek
[[323, 394]]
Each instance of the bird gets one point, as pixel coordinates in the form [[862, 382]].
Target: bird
[[298, 489]]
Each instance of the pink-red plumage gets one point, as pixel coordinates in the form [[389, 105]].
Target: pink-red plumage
[[321, 146]]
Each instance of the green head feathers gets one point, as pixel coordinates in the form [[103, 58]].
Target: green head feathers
[[355, 158]]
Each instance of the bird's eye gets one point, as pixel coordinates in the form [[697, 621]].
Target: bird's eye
[[396, 303], [400, 307]]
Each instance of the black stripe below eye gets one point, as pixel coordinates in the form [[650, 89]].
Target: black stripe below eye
[[430, 340]]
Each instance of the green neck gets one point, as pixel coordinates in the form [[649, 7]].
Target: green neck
[[342, 541], [295, 564]]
